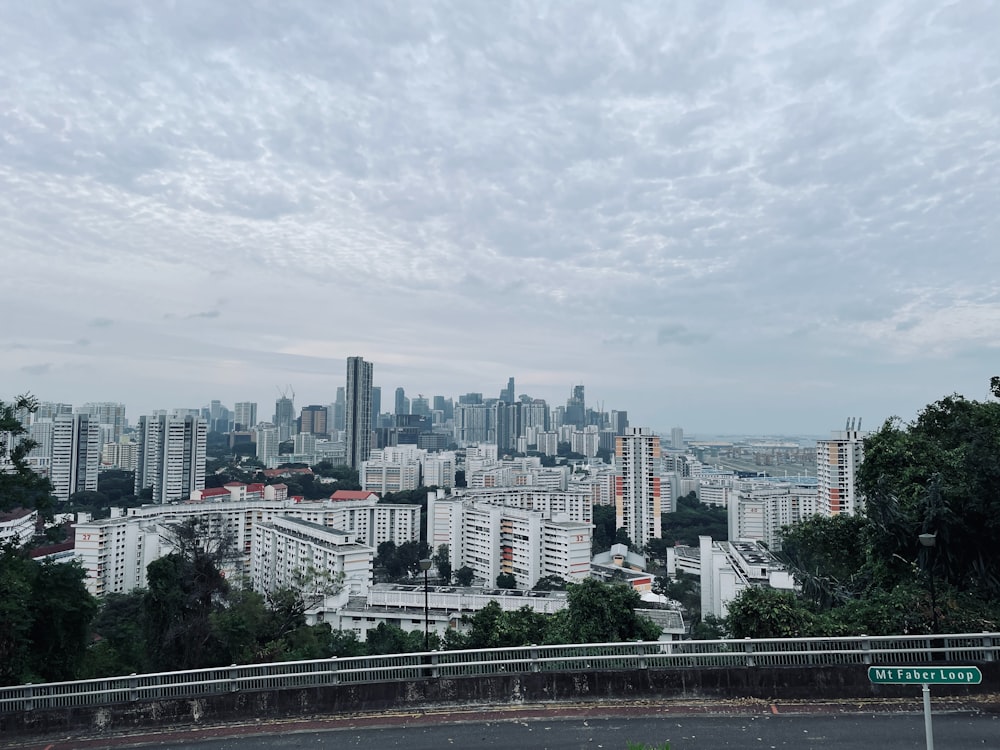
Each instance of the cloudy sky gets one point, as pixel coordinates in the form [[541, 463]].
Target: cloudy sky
[[735, 217]]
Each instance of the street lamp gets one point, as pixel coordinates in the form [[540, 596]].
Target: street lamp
[[929, 542], [425, 565]]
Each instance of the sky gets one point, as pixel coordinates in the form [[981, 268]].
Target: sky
[[732, 217]]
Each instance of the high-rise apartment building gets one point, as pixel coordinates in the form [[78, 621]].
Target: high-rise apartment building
[[507, 421], [76, 454], [837, 462], [637, 485], [376, 404], [267, 444], [107, 413], [358, 416], [244, 415], [171, 456]]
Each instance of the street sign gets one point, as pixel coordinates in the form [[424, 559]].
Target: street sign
[[925, 675]]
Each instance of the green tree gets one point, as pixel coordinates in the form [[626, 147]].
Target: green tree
[[491, 627], [603, 613], [390, 639], [763, 612], [45, 615], [20, 487], [939, 474], [604, 528], [693, 519], [506, 581], [825, 556], [464, 576], [119, 629], [549, 583], [442, 561]]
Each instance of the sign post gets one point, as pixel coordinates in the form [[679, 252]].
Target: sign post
[[925, 676]]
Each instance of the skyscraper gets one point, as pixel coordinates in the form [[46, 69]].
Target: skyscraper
[[358, 416], [76, 454], [637, 485], [507, 394], [376, 404], [245, 415], [576, 408], [507, 419], [284, 417], [339, 414], [171, 456], [401, 407]]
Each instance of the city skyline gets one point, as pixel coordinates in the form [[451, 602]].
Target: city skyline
[[740, 218]]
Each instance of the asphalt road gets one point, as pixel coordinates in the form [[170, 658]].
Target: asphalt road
[[957, 731]]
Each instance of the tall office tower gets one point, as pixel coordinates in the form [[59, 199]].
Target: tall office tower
[[576, 408], [837, 462], [401, 406], [507, 419], [219, 417], [339, 415], [637, 485], [109, 413], [359, 411], [171, 456], [284, 418], [76, 454], [677, 439], [619, 422], [471, 399], [376, 404], [267, 444], [245, 415], [420, 406], [507, 394], [314, 420]]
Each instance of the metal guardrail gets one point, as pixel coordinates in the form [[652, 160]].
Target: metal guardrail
[[969, 648]]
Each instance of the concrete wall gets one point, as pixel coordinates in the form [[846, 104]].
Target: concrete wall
[[775, 683]]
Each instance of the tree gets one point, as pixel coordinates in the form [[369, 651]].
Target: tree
[[464, 576], [442, 561], [763, 612], [45, 615], [184, 588], [824, 555], [604, 528], [693, 519], [549, 583], [603, 613], [390, 639], [20, 487], [506, 581], [491, 627], [939, 474]]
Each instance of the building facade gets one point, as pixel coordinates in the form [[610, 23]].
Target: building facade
[[637, 485], [171, 456], [358, 412]]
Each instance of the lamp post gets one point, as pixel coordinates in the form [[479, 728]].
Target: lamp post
[[929, 542], [425, 565]]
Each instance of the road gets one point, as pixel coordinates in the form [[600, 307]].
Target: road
[[841, 731]]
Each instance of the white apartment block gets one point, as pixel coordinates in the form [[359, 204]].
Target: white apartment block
[[527, 533], [290, 552], [76, 455], [599, 484], [726, 568], [837, 462], [266, 438], [115, 551], [17, 526], [124, 456], [439, 469], [108, 414], [637, 488], [395, 469], [171, 456], [759, 507], [548, 443]]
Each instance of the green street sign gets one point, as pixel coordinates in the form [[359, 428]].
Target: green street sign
[[925, 675]]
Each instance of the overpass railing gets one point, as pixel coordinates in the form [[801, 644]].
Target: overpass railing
[[971, 648]]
